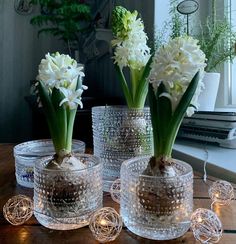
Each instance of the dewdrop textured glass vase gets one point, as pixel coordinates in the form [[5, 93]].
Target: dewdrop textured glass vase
[[66, 199], [120, 133], [28, 153], [157, 208]]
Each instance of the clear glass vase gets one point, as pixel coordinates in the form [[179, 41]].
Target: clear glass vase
[[65, 199], [157, 208], [120, 133], [27, 153]]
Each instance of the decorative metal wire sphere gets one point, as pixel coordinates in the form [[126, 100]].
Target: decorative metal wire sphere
[[221, 192], [18, 209], [206, 226], [115, 191], [106, 224]]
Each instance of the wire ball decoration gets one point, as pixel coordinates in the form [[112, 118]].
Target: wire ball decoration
[[18, 209], [106, 224], [206, 226], [115, 190], [221, 192]]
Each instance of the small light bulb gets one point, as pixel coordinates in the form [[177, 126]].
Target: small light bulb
[[24, 208], [199, 219], [206, 226], [18, 209], [103, 222], [221, 192]]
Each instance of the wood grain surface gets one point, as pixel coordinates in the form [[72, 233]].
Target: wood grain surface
[[33, 232]]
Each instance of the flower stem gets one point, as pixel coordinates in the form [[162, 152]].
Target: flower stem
[[70, 124]]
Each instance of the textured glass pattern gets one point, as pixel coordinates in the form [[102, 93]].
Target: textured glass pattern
[[27, 153], [156, 207], [65, 199], [120, 133]]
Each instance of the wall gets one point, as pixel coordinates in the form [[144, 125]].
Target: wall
[[20, 53]]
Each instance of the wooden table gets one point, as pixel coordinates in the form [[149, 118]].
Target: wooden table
[[33, 232]]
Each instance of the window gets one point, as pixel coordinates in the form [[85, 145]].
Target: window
[[227, 90], [232, 68]]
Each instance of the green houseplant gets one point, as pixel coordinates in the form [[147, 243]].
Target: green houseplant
[[60, 89], [122, 132], [131, 51], [217, 40], [64, 195], [65, 19], [156, 192], [216, 36], [173, 91]]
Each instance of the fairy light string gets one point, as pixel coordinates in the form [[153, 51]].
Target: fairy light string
[[205, 224]]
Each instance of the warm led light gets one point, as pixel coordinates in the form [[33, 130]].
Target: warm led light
[[221, 192], [103, 222], [206, 226], [18, 209], [24, 208], [199, 220]]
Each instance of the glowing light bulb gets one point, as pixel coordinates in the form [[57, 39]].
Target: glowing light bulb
[[221, 192], [24, 208], [103, 222], [18, 209], [199, 220], [206, 226]]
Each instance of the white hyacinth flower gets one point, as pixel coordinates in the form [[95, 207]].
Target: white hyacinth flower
[[59, 70], [72, 98], [131, 48], [174, 65]]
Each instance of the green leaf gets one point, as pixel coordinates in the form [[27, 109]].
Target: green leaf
[[54, 31], [124, 86], [164, 109], [70, 126], [154, 117], [50, 115], [165, 122], [181, 109], [163, 114], [61, 116], [72, 15], [142, 88]]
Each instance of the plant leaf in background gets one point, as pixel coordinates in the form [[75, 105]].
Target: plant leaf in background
[[63, 18]]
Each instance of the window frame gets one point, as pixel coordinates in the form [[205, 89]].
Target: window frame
[[232, 68], [226, 97]]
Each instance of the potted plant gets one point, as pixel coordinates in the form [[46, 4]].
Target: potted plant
[[217, 40], [64, 194], [122, 132], [156, 192], [64, 19]]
